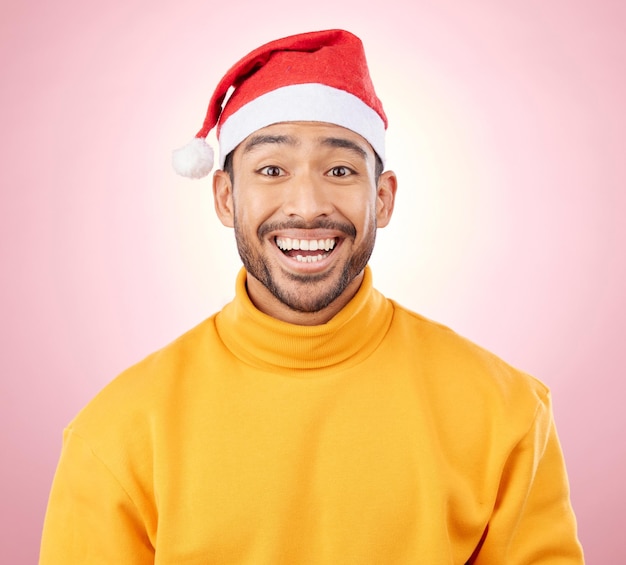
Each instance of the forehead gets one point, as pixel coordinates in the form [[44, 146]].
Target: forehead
[[308, 135]]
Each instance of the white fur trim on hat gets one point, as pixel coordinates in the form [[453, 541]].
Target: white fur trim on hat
[[303, 102]]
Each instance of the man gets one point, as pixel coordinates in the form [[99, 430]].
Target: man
[[312, 420]]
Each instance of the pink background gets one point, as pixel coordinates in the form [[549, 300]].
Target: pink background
[[507, 133]]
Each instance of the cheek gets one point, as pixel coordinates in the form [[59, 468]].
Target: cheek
[[252, 211], [257, 200], [361, 213]]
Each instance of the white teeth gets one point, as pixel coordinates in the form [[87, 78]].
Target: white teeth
[[287, 244], [309, 258]]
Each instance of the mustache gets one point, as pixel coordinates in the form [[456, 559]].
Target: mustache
[[322, 223]]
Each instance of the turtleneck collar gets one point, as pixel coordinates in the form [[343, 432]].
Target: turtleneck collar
[[265, 342]]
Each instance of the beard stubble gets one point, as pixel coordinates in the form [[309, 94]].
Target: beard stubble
[[308, 293]]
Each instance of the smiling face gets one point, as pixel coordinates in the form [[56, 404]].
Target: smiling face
[[305, 206]]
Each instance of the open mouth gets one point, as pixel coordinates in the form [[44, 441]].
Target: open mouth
[[306, 250]]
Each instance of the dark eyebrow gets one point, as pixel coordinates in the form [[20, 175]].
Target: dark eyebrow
[[345, 144], [257, 140]]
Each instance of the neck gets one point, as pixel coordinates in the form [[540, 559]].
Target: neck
[[267, 303]]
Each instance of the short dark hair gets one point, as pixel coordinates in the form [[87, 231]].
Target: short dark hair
[[228, 167]]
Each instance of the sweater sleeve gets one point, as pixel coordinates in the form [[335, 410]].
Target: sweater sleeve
[[533, 522], [90, 517]]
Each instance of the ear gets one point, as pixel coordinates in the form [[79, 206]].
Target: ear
[[385, 197], [223, 198]]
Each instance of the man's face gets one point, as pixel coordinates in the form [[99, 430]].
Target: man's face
[[305, 206]]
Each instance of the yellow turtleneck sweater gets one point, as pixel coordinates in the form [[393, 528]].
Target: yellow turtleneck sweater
[[379, 438]]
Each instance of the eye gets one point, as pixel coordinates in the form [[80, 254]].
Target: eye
[[340, 171], [271, 171]]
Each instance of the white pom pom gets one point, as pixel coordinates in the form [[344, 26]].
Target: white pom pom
[[194, 160]]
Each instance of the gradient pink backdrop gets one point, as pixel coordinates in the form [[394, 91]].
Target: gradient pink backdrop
[[507, 133]]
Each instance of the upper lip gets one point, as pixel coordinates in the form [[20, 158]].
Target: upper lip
[[322, 229]]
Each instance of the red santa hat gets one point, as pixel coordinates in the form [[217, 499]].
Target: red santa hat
[[319, 76]]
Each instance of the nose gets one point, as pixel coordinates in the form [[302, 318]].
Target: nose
[[307, 197]]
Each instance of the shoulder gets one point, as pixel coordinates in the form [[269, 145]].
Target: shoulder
[[140, 391], [479, 404], [454, 365]]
